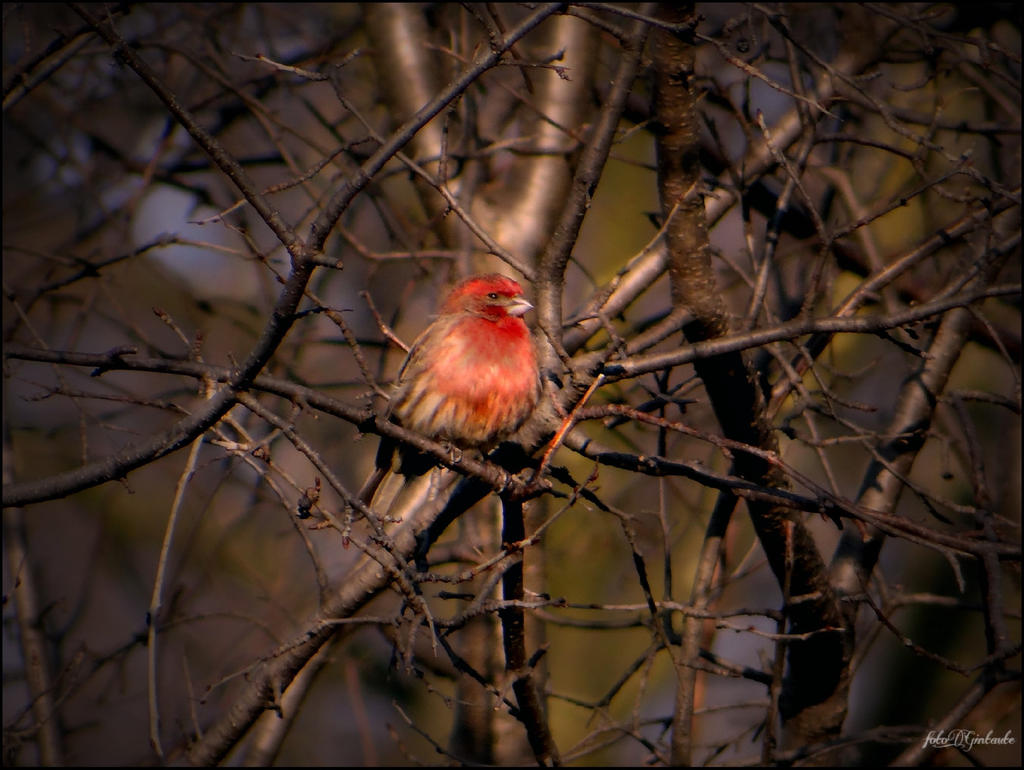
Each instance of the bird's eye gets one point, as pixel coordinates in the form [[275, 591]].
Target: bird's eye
[[492, 295]]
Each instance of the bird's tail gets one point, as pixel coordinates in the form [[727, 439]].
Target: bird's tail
[[394, 492]]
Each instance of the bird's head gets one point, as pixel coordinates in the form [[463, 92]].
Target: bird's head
[[492, 296]]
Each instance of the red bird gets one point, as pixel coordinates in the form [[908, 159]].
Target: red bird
[[471, 378]]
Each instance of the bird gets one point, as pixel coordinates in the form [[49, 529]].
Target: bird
[[471, 379]]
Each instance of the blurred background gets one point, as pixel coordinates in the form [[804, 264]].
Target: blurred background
[[846, 151]]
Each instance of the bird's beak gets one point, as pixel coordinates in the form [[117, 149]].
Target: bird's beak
[[518, 307]]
